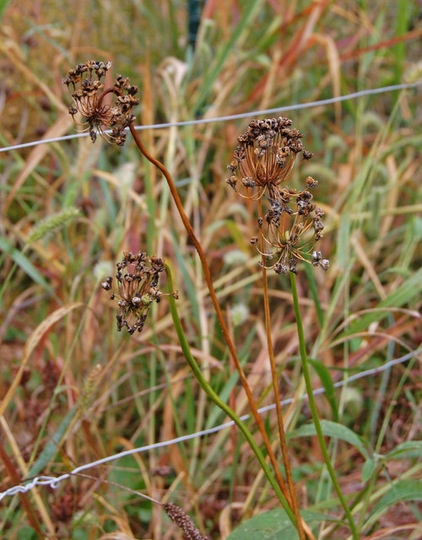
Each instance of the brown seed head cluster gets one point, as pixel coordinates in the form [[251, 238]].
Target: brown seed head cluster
[[104, 111], [137, 279], [184, 522], [290, 223], [265, 157]]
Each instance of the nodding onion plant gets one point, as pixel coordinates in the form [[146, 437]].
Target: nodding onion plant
[[288, 225]]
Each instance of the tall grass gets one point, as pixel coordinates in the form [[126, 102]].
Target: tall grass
[[73, 390]]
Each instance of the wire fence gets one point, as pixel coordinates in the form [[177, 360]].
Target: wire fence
[[54, 482], [276, 110]]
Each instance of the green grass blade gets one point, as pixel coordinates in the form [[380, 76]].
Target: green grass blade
[[334, 430], [328, 385], [52, 447], [249, 11], [409, 291], [404, 490], [3, 6], [24, 263]]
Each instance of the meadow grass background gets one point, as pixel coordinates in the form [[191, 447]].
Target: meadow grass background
[[75, 390]]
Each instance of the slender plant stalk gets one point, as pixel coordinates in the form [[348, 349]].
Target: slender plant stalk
[[216, 399], [279, 411], [277, 398], [214, 299], [314, 412]]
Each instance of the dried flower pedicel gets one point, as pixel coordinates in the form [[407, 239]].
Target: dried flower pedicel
[[100, 114], [265, 157], [137, 279]]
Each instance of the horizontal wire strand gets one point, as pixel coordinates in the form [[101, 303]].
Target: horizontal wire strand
[[54, 482], [294, 107]]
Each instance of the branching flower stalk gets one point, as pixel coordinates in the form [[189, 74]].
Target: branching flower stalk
[[262, 162], [110, 120]]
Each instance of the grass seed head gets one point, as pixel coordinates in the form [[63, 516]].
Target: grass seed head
[[183, 521]]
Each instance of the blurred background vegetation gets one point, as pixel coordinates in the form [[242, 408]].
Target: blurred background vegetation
[[74, 390]]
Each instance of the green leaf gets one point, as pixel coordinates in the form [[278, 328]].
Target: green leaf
[[368, 469], [408, 446], [327, 383], [404, 490], [23, 262], [274, 525], [53, 445], [334, 430]]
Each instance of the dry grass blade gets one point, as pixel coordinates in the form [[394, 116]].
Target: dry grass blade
[[33, 340]]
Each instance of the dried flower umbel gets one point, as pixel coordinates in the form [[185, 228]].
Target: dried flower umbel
[[288, 232], [265, 157], [290, 223], [137, 279], [104, 111]]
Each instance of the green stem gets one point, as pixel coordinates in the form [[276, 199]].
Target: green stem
[[314, 412], [216, 399]]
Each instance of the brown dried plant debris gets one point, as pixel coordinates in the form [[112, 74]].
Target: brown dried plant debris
[[101, 115], [137, 279], [65, 506], [290, 223]]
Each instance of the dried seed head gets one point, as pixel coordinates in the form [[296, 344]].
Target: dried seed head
[[311, 182], [137, 279], [183, 521], [291, 223], [317, 260], [106, 116], [264, 157], [290, 230]]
